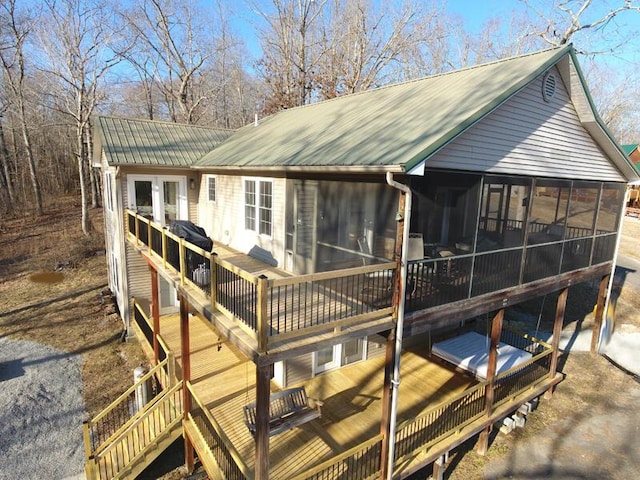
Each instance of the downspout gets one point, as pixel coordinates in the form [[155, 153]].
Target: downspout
[[607, 301], [395, 379]]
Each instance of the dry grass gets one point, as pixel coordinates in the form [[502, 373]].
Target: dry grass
[[71, 314]]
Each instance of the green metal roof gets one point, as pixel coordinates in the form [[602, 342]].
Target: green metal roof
[[153, 143], [389, 128], [627, 149]]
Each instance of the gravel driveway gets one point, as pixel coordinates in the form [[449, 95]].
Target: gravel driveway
[[41, 412]]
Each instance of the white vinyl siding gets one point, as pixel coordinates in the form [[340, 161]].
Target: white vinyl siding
[[528, 136], [224, 220]]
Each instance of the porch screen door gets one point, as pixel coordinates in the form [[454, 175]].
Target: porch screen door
[[305, 210]]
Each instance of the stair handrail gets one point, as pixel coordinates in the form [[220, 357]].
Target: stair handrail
[[101, 453], [88, 425]]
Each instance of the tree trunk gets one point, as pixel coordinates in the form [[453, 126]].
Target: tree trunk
[[35, 184], [84, 194], [4, 157]]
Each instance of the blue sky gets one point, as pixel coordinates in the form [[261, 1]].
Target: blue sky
[[475, 13]]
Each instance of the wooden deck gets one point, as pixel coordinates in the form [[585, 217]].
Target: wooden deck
[[224, 380]]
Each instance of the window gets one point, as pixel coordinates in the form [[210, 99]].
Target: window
[[211, 188], [258, 206]]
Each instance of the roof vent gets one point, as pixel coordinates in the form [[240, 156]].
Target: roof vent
[[548, 86]]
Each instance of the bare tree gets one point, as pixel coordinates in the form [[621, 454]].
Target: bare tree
[[16, 26], [72, 39], [561, 23], [365, 44], [173, 46], [290, 47]]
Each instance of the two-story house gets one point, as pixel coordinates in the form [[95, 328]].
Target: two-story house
[[349, 320]]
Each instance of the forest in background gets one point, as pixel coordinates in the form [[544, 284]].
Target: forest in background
[[189, 61]]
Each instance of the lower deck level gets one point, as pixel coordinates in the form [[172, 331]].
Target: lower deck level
[[224, 380]]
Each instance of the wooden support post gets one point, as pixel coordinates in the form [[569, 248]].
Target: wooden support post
[[385, 422], [483, 441], [398, 251], [155, 313], [557, 330], [496, 331], [189, 453], [263, 391], [164, 248], [439, 467], [183, 260], [261, 312], [213, 280], [602, 296]]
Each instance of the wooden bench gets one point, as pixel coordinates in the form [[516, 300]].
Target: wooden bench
[[287, 409]]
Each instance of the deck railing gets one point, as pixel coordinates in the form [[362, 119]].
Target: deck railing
[[440, 421], [451, 416], [270, 308], [130, 442], [101, 429], [359, 463], [143, 322], [514, 381], [228, 461], [167, 375]]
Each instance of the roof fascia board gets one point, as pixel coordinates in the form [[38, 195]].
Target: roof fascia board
[[305, 169], [590, 118], [479, 115]]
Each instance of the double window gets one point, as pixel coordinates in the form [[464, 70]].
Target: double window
[[258, 206]]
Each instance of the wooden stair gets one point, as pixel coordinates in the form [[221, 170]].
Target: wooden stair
[[140, 440]]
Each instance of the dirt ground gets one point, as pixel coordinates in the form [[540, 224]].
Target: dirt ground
[[588, 429], [52, 279]]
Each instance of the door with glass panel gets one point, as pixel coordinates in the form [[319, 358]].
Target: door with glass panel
[[305, 211], [339, 355], [162, 199]]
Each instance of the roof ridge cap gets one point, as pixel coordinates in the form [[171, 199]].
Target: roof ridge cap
[[165, 122], [419, 79]]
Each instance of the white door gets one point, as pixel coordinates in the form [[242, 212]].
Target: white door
[[339, 355], [161, 198], [326, 359], [168, 296]]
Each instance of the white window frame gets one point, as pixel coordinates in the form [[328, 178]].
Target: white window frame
[[257, 206], [339, 359], [108, 190], [157, 200], [208, 179]]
